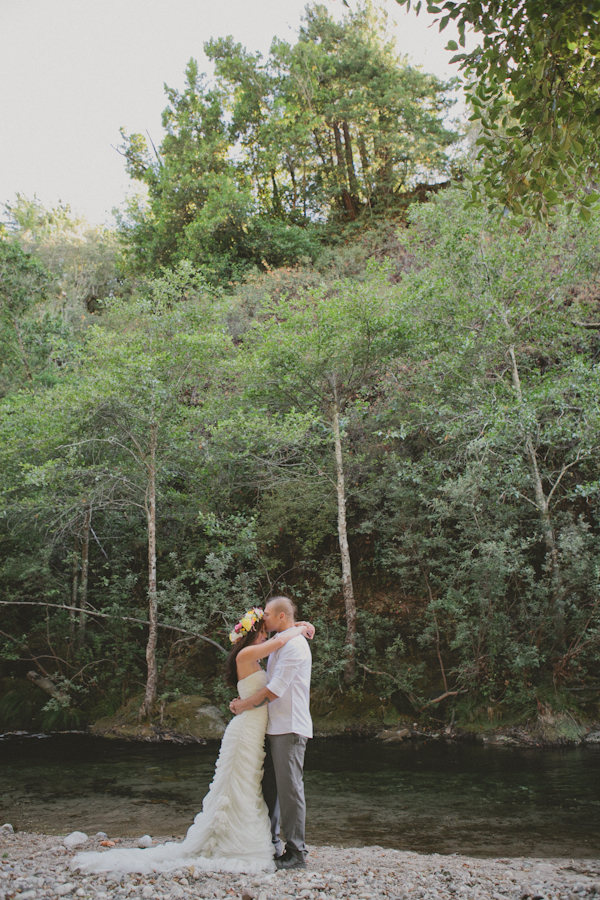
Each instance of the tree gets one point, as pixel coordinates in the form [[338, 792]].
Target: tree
[[506, 437], [116, 433], [30, 337], [198, 201], [535, 97], [337, 123], [311, 361], [251, 167], [82, 260]]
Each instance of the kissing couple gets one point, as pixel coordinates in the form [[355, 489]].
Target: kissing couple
[[238, 829]]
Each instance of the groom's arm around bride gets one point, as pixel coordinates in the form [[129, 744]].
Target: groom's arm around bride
[[288, 730]]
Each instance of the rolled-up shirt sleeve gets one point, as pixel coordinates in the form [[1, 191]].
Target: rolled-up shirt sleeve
[[290, 657]]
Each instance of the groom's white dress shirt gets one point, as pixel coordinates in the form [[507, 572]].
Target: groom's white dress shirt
[[288, 673]]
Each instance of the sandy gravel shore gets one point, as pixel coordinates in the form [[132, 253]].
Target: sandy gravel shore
[[36, 866]]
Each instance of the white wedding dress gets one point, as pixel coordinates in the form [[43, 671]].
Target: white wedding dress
[[232, 833]]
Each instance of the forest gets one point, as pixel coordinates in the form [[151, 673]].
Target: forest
[[346, 350]]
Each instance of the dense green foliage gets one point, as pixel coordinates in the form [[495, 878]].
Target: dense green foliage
[[336, 127], [467, 391], [280, 376], [534, 82]]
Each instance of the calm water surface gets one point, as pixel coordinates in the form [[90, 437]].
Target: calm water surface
[[434, 797]]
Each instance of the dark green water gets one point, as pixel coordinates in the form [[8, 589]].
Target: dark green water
[[434, 797]]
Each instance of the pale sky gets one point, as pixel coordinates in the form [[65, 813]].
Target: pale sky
[[72, 72]]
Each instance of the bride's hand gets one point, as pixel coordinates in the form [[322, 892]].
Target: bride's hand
[[232, 705], [309, 629]]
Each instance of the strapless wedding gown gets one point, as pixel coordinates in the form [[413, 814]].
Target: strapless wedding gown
[[232, 833]]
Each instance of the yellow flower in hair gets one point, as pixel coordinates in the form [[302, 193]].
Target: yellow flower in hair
[[246, 623]]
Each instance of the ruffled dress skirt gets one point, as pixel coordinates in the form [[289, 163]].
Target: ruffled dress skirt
[[232, 833]]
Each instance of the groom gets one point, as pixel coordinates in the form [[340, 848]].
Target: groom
[[288, 730]]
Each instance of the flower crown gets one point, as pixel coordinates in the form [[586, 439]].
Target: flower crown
[[246, 624]]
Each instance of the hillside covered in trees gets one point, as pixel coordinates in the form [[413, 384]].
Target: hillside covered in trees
[[308, 364]]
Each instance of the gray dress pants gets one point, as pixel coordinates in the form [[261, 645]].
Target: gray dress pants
[[283, 790]]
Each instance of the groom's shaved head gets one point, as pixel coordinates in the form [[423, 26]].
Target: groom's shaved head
[[282, 605]]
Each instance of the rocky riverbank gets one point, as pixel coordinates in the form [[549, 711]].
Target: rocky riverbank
[[36, 867], [191, 718]]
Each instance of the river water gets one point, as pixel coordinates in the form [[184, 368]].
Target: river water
[[431, 797]]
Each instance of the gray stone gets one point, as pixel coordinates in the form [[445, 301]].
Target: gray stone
[[7, 829], [75, 839], [63, 889], [100, 836], [248, 894], [144, 842], [393, 736]]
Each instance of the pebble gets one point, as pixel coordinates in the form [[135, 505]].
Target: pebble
[[7, 829], [75, 839], [36, 867], [145, 841]]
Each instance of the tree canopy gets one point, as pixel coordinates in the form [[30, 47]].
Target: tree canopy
[[334, 127], [533, 86]]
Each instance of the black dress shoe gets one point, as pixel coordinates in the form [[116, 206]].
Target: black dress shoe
[[289, 861]]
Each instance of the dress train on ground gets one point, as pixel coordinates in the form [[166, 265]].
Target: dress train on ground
[[232, 833]]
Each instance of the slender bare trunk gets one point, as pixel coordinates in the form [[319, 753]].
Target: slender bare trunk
[[74, 579], [352, 181], [304, 188], [347, 586], [276, 201], [294, 187], [543, 507], [152, 679], [83, 588]]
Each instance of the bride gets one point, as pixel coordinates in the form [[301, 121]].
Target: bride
[[232, 833]]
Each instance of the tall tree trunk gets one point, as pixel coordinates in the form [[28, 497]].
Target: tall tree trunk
[[83, 588], [543, 507], [347, 201], [384, 172], [364, 159], [365, 166], [152, 677], [294, 186], [347, 586], [304, 188], [74, 579], [352, 180], [277, 207]]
